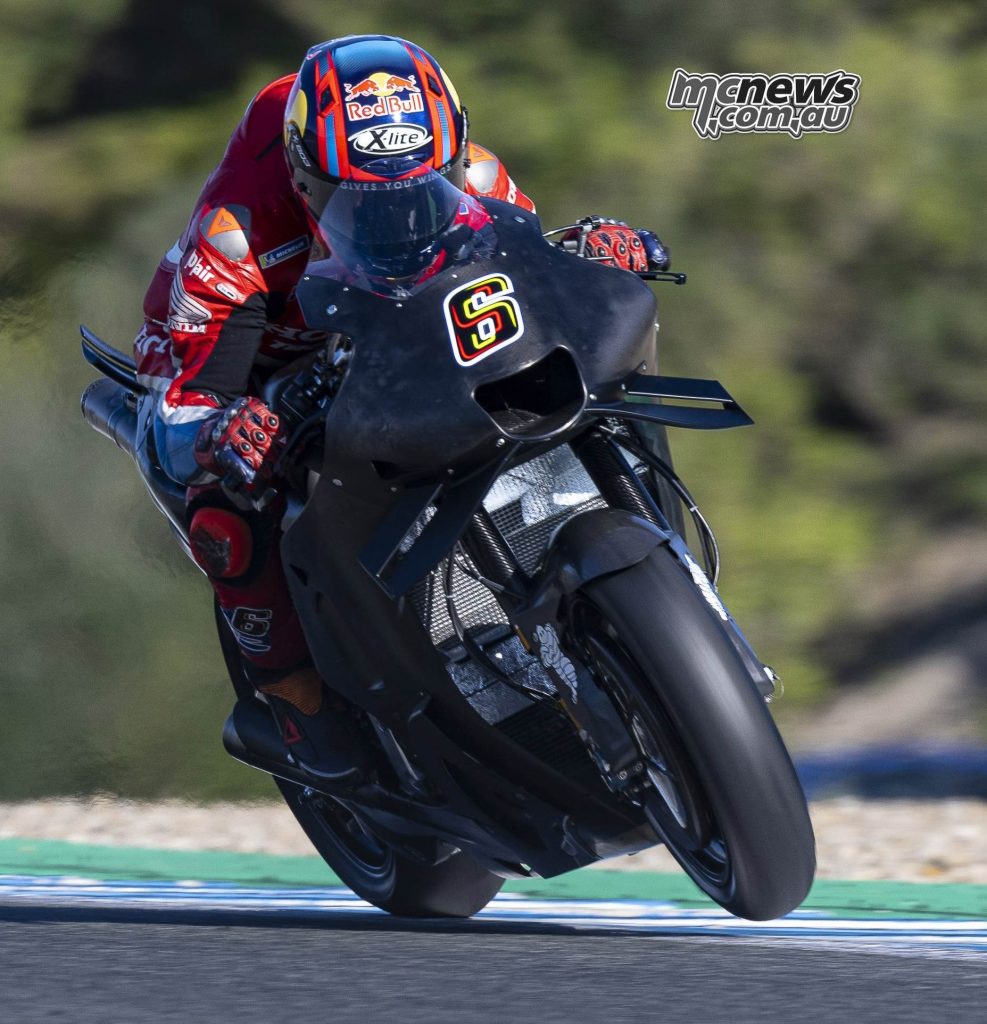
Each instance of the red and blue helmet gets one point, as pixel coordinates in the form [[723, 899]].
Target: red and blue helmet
[[361, 99]]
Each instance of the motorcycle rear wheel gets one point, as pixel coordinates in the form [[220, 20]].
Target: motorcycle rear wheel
[[458, 887], [723, 794]]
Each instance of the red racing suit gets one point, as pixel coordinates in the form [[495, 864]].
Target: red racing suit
[[221, 305]]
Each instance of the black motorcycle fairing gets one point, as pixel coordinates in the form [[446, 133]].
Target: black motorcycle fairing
[[391, 668], [374, 650], [407, 402], [397, 570], [407, 398]]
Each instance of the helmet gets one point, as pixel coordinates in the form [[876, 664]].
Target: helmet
[[360, 99]]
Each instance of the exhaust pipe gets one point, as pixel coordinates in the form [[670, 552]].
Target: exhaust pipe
[[110, 409]]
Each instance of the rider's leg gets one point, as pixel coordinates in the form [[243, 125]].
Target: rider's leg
[[239, 552]]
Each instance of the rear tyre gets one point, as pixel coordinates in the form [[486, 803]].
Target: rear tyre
[[458, 887], [723, 794]]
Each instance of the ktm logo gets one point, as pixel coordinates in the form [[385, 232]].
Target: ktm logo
[[482, 316]]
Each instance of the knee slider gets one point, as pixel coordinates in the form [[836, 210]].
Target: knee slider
[[222, 543]]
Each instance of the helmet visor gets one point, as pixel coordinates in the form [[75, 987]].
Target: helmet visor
[[390, 226]]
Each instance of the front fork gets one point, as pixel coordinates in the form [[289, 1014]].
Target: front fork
[[616, 480]]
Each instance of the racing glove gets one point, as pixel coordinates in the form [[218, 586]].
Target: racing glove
[[614, 243], [241, 445]]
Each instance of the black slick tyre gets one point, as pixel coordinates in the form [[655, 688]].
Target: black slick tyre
[[725, 798], [458, 887]]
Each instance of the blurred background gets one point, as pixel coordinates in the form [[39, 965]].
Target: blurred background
[[836, 287]]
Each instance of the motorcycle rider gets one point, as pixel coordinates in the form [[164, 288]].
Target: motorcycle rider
[[220, 313]]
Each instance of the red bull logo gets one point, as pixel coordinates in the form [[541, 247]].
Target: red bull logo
[[378, 95], [368, 87], [399, 84]]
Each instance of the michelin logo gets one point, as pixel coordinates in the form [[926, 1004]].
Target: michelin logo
[[552, 657], [284, 252], [705, 587]]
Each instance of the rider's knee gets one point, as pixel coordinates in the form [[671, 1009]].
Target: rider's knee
[[222, 542]]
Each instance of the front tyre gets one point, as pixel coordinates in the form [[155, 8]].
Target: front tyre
[[722, 792], [458, 887]]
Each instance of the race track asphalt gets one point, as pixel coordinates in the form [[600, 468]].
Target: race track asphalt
[[129, 965]]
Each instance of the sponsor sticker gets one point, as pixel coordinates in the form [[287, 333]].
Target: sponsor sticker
[[553, 657], [183, 306], [221, 222], [251, 627], [197, 267], [284, 252], [792, 103], [390, 138], [298, 149], [228, 291], [184, 328], [701, 580], [380, 94], [482, 316]]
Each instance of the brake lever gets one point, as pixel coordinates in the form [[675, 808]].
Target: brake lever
[[675, 277]]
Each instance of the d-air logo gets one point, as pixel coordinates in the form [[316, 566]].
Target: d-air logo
[[198, 267], [482, 316]]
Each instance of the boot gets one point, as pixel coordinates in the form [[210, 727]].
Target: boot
[[321, 735]]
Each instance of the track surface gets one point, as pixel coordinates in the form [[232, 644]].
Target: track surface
[[109, 952]]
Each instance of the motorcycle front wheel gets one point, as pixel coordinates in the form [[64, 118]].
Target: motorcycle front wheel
[[722, 793], [457, 887]]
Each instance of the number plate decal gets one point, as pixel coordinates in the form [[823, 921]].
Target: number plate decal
[[482, 316]]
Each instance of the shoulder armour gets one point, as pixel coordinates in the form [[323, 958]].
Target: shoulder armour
[[483, 169], [227, 229]]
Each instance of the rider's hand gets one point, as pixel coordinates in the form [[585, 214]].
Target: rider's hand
[[659, 258], [614, 243], [241, 444]]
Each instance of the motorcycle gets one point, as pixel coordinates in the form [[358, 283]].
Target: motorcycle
[[484, 540]]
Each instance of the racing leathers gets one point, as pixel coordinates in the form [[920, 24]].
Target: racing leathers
[[220, 313]]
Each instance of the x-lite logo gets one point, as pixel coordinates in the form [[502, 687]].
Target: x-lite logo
[[390, 138]]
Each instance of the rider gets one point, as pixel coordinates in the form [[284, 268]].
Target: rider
[[221, 312]]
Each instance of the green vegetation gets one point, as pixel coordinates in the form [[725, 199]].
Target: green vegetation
[[836, 287]]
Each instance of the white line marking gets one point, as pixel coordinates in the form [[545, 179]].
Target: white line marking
[[808, 929]]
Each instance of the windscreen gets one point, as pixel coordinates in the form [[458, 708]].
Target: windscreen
[[396, 230]]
